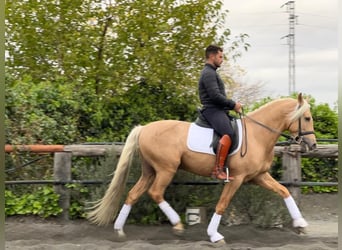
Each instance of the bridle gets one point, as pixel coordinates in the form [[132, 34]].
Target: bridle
[[300, 137], [291, 139]]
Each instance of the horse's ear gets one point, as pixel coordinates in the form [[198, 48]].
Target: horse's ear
[[300, 99]]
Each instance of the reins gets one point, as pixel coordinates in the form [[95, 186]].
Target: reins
[[244, 127], [289, 137]]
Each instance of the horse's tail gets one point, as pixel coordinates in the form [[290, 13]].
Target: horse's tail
[[106, 209]]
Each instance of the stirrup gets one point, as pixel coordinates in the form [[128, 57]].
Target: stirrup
[[229, 178], [226, 179]]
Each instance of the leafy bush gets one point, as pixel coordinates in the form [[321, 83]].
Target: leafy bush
[[77, 200], [43, 202], [43, 113], [319, 170]]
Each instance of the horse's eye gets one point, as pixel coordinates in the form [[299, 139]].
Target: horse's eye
[[307, 119]]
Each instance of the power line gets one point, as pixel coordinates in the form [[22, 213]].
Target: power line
[[255, 13], [316, 15], [261, 25], [317, 26], [311, 47]]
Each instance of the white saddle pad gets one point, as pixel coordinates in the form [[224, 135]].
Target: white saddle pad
[[200, 139]]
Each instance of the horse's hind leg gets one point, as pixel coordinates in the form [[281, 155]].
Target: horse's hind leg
[[157, 190], [146, 178], [267, 181]]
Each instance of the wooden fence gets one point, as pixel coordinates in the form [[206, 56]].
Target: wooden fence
[[291, 163]]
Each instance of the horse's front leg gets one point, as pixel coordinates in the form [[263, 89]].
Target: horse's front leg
[[226, 196], [267, 181]]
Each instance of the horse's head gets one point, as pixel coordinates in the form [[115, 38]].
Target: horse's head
[[301, 124]]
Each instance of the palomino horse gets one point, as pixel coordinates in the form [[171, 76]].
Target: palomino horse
[[163, 150]]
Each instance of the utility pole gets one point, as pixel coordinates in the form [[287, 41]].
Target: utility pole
[[290, 8]]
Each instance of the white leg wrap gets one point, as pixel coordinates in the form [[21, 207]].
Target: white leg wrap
[[212, 228], [292, 207], [122, 217], [169, 212], [298, 220]]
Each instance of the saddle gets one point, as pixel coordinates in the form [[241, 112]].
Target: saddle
[[202, 122]]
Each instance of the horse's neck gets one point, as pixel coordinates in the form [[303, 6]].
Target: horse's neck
[[274, 116]]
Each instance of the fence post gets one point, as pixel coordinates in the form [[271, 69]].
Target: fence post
[[292, 170], [62, 172]]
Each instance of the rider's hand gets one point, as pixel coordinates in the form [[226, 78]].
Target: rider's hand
[[238, 107]]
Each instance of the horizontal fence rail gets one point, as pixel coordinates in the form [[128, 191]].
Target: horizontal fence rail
[[322, 151], [195, 183]]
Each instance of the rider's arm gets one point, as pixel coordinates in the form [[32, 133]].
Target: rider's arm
[[211, 84]]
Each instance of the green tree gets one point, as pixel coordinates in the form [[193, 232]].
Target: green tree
[[43, 113], [325, 121], [126, 62], [45, 39], [112, 45]]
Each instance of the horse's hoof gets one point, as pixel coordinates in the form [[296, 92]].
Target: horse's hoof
[[217, 238], [221, 242], [178, 229], [301, 222], [301, 230], [120, 233]]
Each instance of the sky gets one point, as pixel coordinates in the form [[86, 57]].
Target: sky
[[266, 61]]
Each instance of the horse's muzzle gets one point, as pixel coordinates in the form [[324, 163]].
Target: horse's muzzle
[[308, 144], [313, 146]]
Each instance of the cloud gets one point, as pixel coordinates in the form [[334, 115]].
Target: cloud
[[267, 59], [319, 58]]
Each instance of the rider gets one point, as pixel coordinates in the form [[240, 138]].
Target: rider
[[216, 105]]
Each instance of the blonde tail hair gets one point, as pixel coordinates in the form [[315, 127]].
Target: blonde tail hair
[[106, 209]]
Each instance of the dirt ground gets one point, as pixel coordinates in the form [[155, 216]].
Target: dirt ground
[[320, 210]]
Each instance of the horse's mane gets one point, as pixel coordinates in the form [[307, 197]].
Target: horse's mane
[[293, 115], [299, 111]]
